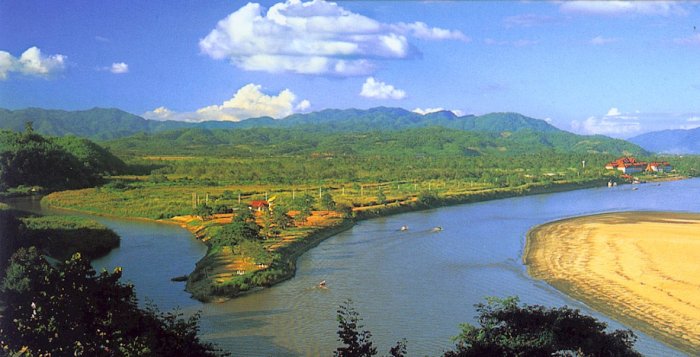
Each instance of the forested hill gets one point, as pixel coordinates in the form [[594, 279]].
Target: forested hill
[[29, 159], [95, 124], [434, 141], [670, 141], [105, 124]]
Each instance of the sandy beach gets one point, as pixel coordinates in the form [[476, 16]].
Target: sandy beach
[[641, 268]]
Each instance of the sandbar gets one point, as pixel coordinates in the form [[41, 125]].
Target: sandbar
[[640, 268]]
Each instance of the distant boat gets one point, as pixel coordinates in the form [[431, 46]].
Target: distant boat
[[437, 229], [635, 188], [404, 228], [322, 284]]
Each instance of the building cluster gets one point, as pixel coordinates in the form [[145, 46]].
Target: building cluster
[[630, 165]]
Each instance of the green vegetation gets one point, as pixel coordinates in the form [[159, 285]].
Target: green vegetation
[[56, 236], [30, 160], [69, 309], [434, 141], [62, 236], [506, 329]]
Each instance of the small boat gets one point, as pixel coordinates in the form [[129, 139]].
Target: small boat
[[322, 284], [404, 228], [635, 188], [437, 229]]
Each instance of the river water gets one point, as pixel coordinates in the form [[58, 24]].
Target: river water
[[418, 284]]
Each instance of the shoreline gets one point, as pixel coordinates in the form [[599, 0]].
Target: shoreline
[[363, 213], [637, 277]]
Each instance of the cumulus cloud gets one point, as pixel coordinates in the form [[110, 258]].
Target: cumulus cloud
[[615, 8], [248, 102], [614, 123], [425, 111], [600, 40], [31, 63], [375, 89], [119, 68], [314, 38]]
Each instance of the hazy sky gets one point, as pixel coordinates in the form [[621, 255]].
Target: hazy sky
[[616, 68]]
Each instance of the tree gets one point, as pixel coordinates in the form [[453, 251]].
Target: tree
[[327, 202], [303, 214], [358, 343], [303, 201], [241, 228], [203, 210], [381, 197], [509, 329], [281, 218], [71, 310]]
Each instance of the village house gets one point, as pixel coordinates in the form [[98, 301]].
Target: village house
[[662, 166], [259, 205], [630, 165]]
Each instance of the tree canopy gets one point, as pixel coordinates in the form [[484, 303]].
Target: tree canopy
[[71, 310]]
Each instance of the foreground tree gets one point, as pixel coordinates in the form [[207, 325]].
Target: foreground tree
[[71, 310], [358, 342], [509, 329]]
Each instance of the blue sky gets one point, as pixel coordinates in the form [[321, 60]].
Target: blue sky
[[616, 68]]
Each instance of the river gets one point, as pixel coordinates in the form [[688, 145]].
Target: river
[[418, 284]]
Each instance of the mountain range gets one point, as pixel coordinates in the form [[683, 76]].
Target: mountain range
[[105, 124], [494, 132], [670, 141]]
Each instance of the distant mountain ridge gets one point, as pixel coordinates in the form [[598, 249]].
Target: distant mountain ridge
[[106, 124], [677, 141]]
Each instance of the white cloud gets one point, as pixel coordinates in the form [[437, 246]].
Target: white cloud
[[527, 20], [425, 111], [600, 40], [6, 64], [615, 8], [614, 123], [613, 112], [31, 63], [101, 39], [248, 102], [314, 37], [380, 90], [692, 40], [691, 123], [516, 43], [303, 106], [119, 68], [422, 31], [161, 113]]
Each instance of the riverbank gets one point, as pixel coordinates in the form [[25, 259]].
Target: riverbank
[[637, 267], [221, 274]]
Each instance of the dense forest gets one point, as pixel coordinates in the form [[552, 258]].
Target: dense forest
[[28, 159]]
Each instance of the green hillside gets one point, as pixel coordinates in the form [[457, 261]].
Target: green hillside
[[106, 124], [417, 141], [29, 159]]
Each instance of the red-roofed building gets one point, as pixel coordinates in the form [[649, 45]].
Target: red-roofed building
[[662, 166], [259, 205], [627, 165]]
